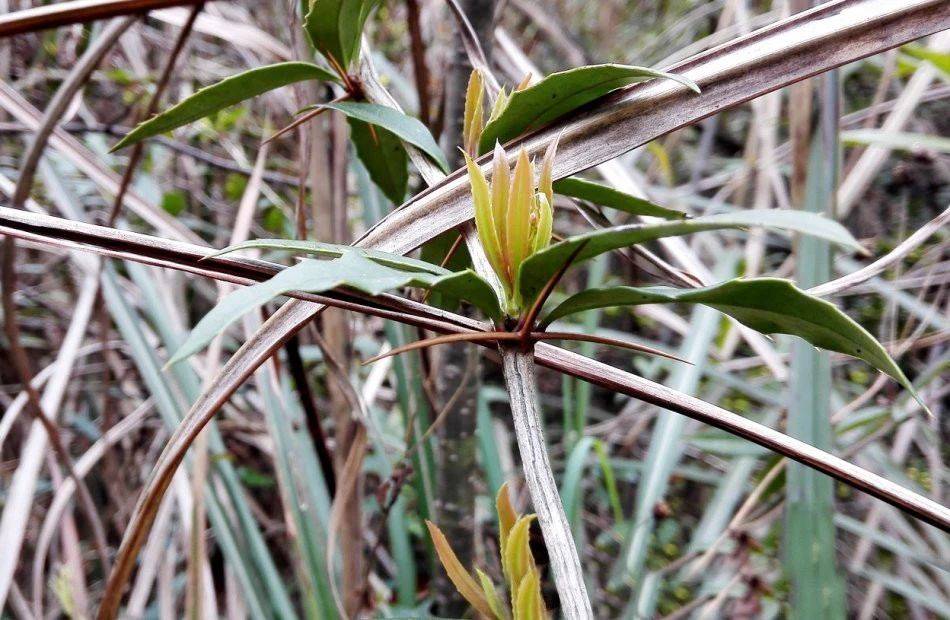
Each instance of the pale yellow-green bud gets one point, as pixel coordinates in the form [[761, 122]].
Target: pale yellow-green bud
[[513, 214]]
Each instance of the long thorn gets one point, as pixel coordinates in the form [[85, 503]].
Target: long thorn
[[317, 111], [300, 120], [445, 261], [607, 341], [527, 323], [430, 342]]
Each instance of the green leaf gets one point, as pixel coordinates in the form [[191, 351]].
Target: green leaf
[[227, 92], [335, 27], [767, 305], [469, 286], [334, 250], [560, 93], [539, 268], [528, 602], [897, 140], [409, 129], [517, 556], [384, 156], [352, 270], [495, 601], [604, 196], [941, 60]]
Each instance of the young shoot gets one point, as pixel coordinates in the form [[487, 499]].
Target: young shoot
[[513, 215]]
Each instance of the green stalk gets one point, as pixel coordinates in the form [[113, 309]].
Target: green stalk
[[810, 563]]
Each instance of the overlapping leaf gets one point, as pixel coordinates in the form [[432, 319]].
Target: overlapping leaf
[[352, 270], [539, 268], [384, 156], [561, 92], [463, 582], [605, 196], [334, 250], [405, 127], [227, 92], [767, 305]]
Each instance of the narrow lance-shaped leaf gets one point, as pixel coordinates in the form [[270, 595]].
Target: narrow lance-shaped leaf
[[384, 156], [500, 185], [528, 602], [407, 128], [474, 119], [767, 305], [227, 92], [561, 92], [576, 187], [507, 516], [484, 216], [518, 217], [537, 269], [494, 599], [517, 552], [335, 250], [464, 583], [353, 270]]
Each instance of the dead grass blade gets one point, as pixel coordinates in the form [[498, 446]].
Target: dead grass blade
[[77, 12], [90, 165], [893, 257]]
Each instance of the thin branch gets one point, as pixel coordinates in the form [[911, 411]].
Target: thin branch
[[526, 339], [612, 342], [297, 122], [420, 69], [894, 256], [136, 156], [312, 417], [446, 339]]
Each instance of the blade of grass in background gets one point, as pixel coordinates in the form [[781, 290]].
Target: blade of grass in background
[[576, 393], [413, 405], [305, 497], [160, 387], [810, 564], [665, 449]]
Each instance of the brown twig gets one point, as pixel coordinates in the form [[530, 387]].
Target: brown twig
[[300, 120], [314, 426], [528, 339], [136, 156], [420, 68]]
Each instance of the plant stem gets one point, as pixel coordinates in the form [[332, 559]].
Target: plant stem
[[518, 367]]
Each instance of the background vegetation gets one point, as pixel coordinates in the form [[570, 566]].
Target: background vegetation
[[671, 517]]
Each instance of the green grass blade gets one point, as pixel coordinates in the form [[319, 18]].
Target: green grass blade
[[816, 588]]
